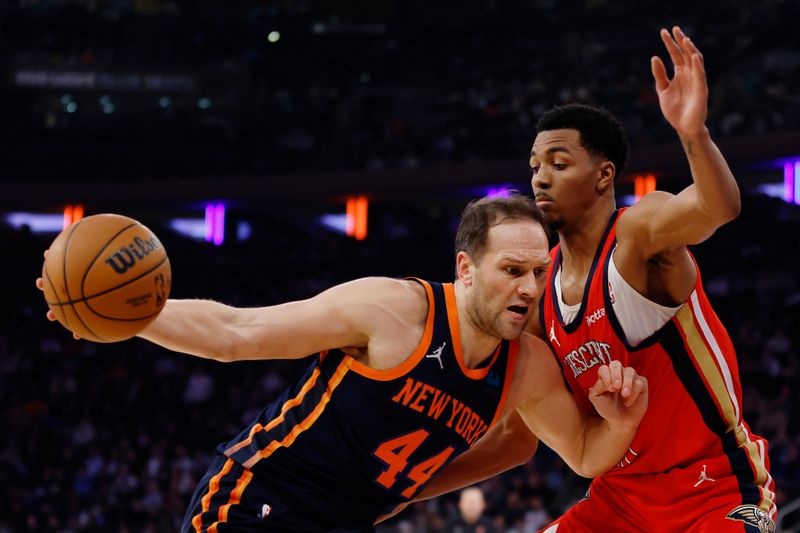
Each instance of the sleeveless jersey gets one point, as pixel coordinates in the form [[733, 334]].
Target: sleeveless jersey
[[346, 443], [694, 406]]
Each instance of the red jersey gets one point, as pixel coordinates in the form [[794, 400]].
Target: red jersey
[[694, 411]]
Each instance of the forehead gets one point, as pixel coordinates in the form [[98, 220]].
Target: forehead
[[523, 240], [550, 141]]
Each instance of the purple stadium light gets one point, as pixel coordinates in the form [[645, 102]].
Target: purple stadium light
[[498, 192], [797, 182], [788, 182], [209, 222], [215, 223], [219, 224]]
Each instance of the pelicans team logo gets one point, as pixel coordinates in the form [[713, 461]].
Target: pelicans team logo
[[753, 516]]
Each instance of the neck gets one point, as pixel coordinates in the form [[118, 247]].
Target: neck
[[580, 239], [476, 344]]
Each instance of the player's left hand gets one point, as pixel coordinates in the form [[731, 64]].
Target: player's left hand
[[619, 395], [684, 98]]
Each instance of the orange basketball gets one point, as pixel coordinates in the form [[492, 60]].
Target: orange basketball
[[106, 277]]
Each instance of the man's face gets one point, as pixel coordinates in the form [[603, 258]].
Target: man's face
[[508, 280], [565, 176], [471, 503]]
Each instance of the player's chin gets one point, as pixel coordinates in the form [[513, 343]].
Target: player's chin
[[554, 220], [513, 329]]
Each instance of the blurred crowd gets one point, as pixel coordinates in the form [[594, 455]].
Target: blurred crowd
[[309, 86], [115, 437]]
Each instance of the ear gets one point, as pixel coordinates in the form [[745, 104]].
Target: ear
[[464, 268], [606, 178]]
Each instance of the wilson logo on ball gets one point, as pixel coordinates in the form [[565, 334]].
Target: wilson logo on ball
[[124, 258]]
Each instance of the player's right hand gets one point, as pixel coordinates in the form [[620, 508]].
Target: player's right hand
[[619, 395]]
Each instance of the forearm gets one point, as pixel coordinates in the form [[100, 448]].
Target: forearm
[[196, 327], [715, 186], [508, 444], [604, 446]]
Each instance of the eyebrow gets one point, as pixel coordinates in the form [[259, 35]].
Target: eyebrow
[[516, 260], [552, 150]]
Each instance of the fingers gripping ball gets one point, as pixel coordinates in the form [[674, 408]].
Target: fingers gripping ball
[[106, 277]]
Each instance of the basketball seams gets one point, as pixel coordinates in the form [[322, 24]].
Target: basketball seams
[[78, 316], [140, 276], [64, 258], [66, 286], [55, 293], [99, 253], [130, 297], [102, 293]]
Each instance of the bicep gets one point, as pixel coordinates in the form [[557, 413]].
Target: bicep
[[661, 221], [344, 315], [557, 421], [550, 411]]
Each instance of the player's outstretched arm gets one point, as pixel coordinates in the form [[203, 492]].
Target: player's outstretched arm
[[660, 220], [590, 445], [350, 314]]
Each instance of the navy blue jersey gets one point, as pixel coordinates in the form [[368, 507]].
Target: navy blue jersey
[[345, 444]]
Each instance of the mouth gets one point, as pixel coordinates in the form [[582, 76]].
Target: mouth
[[519, 312], [543, 199]]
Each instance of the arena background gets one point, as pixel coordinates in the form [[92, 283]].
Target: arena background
[[269, 117]]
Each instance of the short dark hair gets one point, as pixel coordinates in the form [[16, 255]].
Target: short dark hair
[[600, 131], [481, 215]]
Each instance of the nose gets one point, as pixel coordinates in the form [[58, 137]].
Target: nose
[[529, 289], [540, 181]]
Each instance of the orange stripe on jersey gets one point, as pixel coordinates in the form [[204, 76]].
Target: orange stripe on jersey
[[213, 487], [710, 362], [414, 358], [268, 450], [297, 400], [511, 365], [235, 498], [455, 333]]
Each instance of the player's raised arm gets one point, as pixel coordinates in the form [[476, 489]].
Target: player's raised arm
[[660, 220], [351, 314]]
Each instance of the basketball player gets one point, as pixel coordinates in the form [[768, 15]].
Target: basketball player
[[623, 282], [436, 367]]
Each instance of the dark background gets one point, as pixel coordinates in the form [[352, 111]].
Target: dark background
[[151, 108]]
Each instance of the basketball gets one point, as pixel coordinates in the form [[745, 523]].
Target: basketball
[[106, 277]]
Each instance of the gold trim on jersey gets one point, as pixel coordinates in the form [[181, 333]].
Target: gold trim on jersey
[[713, 375]]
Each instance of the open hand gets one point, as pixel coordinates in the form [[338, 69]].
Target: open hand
[[619, 395], [684, 98]]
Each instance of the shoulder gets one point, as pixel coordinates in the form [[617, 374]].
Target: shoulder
[[635, 221], [373, 297], [536, 358], [382, 288], [407, 298]]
